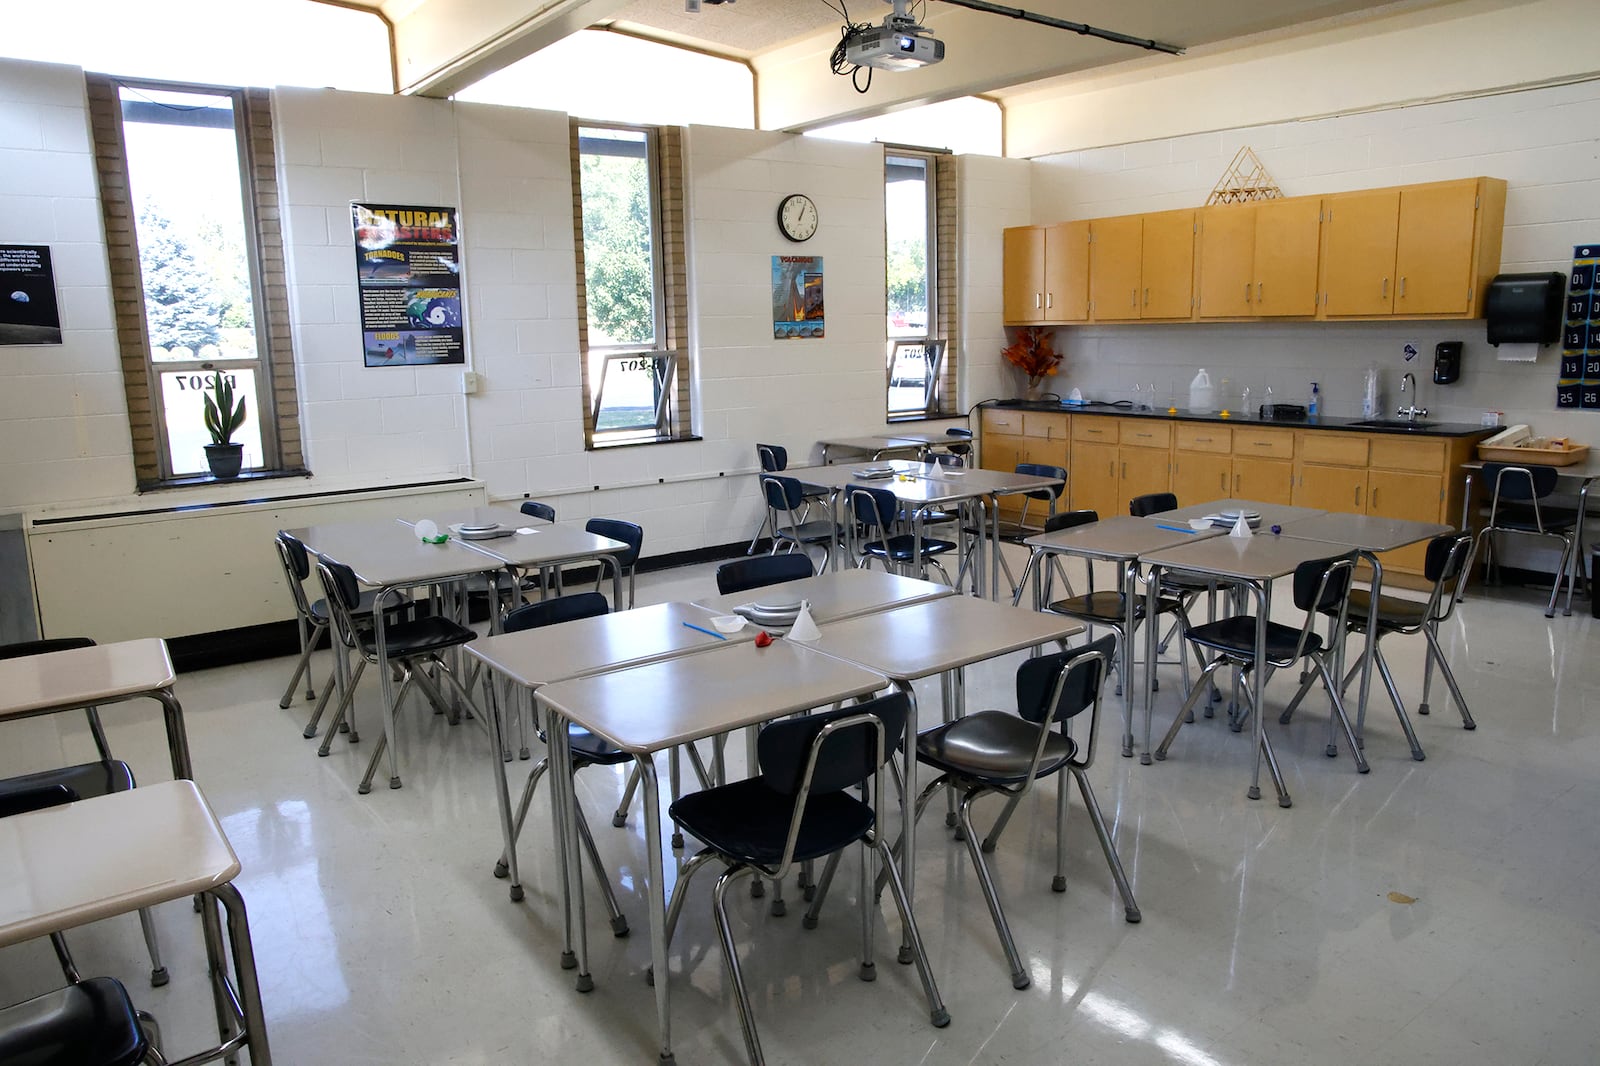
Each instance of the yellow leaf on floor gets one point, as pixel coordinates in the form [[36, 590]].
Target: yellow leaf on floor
[[1401, 897]]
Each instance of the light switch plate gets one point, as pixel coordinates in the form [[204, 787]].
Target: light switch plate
[[469, 382]]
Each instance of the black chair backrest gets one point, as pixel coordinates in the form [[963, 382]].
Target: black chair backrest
[[964, 433], [539, 510], [1069, 519], [1037, 681], [630, 533], [551, 612], [1311, 594], [43, 647], [1443, 561], [1520, 482], [35, 798], [1044, 470], [783, 493], [874, 508], [774, 457], [295, 552], [847, 758], [343, 586], [759, 571], [1152, 503]]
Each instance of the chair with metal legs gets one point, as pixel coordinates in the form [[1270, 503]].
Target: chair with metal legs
[[549, 576], [629, 533], [799, 808], [876, 513], [786, 498], [742, 575], [774, 459], [995, 752], [1517, 505], [87, 1023], [68, 784], [1320, 586], [1186, 588], [415, 650], [587, 749], [1445, 566]]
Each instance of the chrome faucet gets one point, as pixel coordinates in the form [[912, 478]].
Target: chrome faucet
[[1408, 383]]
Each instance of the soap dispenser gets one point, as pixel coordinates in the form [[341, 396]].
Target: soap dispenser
[[1316, 401]]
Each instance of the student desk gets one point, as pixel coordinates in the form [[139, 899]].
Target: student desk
[[836, 595], [96, 858], [95, 677]]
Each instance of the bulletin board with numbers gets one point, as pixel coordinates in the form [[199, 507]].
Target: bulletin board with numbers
[[1580, 357]]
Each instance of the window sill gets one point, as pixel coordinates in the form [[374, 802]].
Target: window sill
[[638, 442], [895, 420], [206, 479]]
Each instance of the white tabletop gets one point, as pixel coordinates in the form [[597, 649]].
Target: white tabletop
[[387, 553], [585, 646], [1272, 514], [929, 638], [83, 677], [1119, 538], [84, 861], [1367, 532], [837, 595], [546, 545], [1258, 558], [676, 701], [1585, 470]]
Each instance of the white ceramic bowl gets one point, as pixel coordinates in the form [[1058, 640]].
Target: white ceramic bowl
[[1199, 523], [727, 623]]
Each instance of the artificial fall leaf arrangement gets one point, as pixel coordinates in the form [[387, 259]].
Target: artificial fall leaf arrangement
[[1033, 354]]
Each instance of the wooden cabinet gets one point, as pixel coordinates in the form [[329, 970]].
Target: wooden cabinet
[[1202, 462], [1258, 260], [1421, 251], [1167, 265], [1011, 437], [1140, 471], [1093, 481], [1046, 274], [1262, 467], [1116, 271], [1116, 459]]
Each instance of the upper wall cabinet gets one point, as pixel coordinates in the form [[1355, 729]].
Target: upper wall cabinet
[[1047, 273], [1418, 251], [1422, 251], [1258, 260], [1141, 267]]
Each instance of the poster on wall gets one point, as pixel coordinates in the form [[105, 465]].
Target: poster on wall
[[408, 268], [796, 296], [28, 310], [1579, 383]]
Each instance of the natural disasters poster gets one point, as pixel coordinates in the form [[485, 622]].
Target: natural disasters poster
[[408, 268]]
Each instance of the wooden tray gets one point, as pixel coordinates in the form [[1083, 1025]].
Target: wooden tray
[[1576, 453]]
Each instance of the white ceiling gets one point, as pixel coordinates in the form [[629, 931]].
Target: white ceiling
[[443, 45]]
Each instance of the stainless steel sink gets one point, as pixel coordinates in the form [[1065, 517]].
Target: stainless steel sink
[[1393, 423]]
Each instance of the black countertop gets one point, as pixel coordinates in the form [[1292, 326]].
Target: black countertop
[[1428, 429]]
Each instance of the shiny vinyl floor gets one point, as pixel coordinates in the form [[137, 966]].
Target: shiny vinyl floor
[[1445, 911]]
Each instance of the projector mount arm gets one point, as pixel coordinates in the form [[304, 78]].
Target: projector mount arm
[[1060, 24]]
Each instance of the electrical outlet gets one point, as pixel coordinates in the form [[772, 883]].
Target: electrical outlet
[[469, 382]]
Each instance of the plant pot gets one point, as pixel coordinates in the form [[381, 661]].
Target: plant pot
[[224, 460]]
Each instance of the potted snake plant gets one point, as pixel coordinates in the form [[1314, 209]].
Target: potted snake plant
[[223, 417]]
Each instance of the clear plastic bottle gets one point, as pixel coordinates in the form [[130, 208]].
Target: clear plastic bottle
[[1268, 409], [1202, 397]]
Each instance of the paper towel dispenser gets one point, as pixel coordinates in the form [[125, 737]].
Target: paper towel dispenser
[[1525, 308]]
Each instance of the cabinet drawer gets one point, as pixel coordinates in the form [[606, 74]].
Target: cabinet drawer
[[1045, 424], [1146, 433], [1268, 443], [1408, 453], [1204, 438], [997, 420], [1333, 449], [1090, 428]]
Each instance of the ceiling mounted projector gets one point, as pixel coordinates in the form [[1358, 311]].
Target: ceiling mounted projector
[[899, 44]]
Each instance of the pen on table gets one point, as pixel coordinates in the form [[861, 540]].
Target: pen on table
[[707, 632], [1175, 529]]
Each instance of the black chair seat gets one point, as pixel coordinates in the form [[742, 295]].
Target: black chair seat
[[362, 611], [994, 746], [405, 639], [68, 784], [1187, 582], [87, 1024], [1394, 613], [1107, 606], [749, 822], [902, 547], [590, 750], [1521, 519], [1236, 636], [809, 531]]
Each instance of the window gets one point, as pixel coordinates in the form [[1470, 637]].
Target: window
[[189, 196], [917, 247], [634, 316]]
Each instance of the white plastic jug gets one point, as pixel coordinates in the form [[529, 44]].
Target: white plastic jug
[[1202, 399]]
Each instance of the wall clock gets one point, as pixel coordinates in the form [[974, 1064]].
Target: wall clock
[[797, 217]]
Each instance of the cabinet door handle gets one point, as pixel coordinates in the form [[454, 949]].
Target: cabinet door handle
[[1358, 496], [1263, 444], [1133, 297], [1222, 480], [1235, 482], [1202, 440], [1147, 296], [1373, 498], [1124, 471], [1247, 292], [1385, 289], [1402, 286], [1050, 299], [1036, 302]]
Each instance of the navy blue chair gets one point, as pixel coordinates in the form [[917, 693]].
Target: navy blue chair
[[876, 512], [798, 809], [786, 500], [629, 533], [535, 509], [741, 575], [88, 1023]]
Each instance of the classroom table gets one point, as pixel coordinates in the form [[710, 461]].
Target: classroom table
[[660, 705], [91, 859], [1272, 514], [386, 555], [936, 637], [1369, 535], [1583, 474], [534, 658], [836, 595], [870, 447], [97, 676], [1252, 563], [1119, 539]]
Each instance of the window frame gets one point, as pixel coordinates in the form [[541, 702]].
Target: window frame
[[663, 157], [277, 407], [938, 398]]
